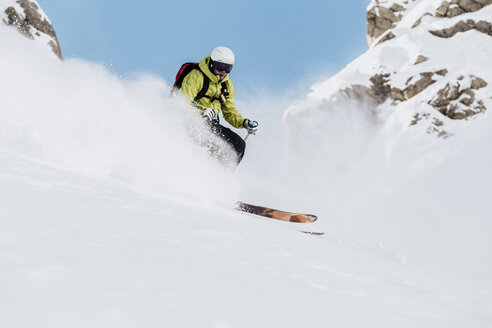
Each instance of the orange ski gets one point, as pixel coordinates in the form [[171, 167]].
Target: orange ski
[[276, 214]]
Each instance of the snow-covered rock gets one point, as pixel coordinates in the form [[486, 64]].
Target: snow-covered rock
[[28, 17], [455, 8], [422, 59], [382, 16]]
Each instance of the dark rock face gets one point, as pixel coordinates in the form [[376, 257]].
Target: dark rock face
[[463, 26], [421, 59], [414, 89], [455, 8], [31, 23], [388, 36], [374, 95], [458, 100], [380, 19], [383, 90]]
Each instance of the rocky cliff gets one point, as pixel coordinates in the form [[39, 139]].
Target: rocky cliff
[[428, 60], [28, 17]]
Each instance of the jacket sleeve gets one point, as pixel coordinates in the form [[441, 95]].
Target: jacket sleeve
[[192, 84], [229, 110]]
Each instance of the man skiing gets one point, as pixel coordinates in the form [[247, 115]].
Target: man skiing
[[208, 87]]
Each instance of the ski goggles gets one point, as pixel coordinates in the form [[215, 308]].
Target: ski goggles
[[222, 67]]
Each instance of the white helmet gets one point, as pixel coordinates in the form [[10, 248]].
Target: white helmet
[[223, 55]]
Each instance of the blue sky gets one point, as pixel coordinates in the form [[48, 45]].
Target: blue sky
[[278, 44]]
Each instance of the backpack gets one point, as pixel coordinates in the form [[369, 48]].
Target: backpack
[[186, 69]]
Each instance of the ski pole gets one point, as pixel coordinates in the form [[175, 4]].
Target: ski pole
[[247, 136], [250, 131]]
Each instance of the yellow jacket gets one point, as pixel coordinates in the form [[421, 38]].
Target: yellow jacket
[[193, 83]]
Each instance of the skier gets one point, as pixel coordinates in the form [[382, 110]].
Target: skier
[[209, 89]]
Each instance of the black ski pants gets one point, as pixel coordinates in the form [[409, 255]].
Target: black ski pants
[[231, 138]]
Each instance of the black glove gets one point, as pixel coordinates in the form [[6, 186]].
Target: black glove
[[251, 126]]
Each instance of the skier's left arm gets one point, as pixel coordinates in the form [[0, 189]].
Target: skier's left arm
[[229, 110]]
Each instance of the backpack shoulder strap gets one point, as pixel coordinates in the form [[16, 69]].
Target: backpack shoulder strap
[[203, 91], [225, 89]]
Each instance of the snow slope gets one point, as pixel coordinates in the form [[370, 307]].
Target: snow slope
[[112, 217], [81, 251]]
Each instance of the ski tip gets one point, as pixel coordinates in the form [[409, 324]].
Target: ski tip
[[301, 218], [311, 218]]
